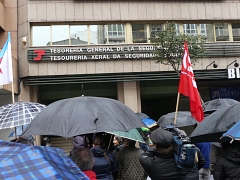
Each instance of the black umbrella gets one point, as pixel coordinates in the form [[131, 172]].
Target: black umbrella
[[216, 104], [142, 115], [83, 115], [213, 126], [184, 118]]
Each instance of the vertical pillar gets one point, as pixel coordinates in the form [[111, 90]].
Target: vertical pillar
[[30, 94], [129, 94]]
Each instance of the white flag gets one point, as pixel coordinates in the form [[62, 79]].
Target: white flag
[[6, 73]]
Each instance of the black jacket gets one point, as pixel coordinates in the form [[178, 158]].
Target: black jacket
[[105, 165], [161, 166], [228, 165], [117, 148], [194, 174]]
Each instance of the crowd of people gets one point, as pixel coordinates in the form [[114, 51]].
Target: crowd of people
[[128, 161]]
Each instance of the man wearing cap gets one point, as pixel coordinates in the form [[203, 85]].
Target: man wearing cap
[[160, 163]]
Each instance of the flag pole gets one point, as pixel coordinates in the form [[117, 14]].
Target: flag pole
[[175, 118], [13, 101]]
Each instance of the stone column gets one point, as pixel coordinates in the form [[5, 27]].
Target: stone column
[[129, 94]]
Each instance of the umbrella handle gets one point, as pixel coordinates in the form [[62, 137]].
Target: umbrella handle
[[110, 141]]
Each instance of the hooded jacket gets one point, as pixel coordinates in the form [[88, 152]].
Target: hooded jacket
[[117, 148], [105, 165], [228, 165]]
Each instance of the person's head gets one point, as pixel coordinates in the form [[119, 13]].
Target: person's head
[[83, 158], [128, 142], [80, 142], [162, 139], [117, 140], [98, 142]]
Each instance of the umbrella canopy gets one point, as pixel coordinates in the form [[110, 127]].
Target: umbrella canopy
[[149, 122], [213, 126], [216, 104], [146, 120], [133, 134], [83, 115], [184, 118], [21, 161], [232, 134], [142, 115], [19, 113]]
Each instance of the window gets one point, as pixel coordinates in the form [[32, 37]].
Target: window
[[97, 35], [190, 29], [78, 34], [139, 33], [41, 35], [236, 31], [221, 31], [207, 31], [154, 28], [60, 35], [115, 33]]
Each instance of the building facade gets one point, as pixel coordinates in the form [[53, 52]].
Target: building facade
[[8, 23], [103, 47], [67, 48]]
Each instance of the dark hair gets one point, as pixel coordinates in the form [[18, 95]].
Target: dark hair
[[119, 139], [83, 158], [161, 150], [98, 141], [130, 142]]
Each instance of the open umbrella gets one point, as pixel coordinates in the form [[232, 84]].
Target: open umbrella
[[21, 161], [83, 115], [216, 104], [142, 115], [147, 120], [133, 134], [213, 126], [18, 113], [232, 134], [184, 118]]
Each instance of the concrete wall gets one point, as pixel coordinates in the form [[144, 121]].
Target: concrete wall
[[8, 23]]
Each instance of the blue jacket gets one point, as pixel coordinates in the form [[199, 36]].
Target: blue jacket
[[205, 150], [105, 165]]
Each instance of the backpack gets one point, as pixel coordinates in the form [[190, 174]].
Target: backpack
[[184, 150]]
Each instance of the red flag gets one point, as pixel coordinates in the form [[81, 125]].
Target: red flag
[[188, 86]]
